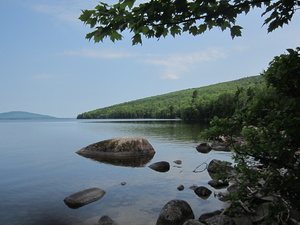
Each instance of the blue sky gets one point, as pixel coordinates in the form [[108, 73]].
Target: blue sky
[[48, 67]]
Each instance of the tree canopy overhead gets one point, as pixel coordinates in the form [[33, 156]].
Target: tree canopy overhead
[[159, 18]]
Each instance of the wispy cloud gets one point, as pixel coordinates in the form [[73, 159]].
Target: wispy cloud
[[175, 65], [67, 10], [58, 12], [91, 53], [63, 9]]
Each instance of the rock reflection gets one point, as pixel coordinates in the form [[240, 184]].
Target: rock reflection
[[133, 161]]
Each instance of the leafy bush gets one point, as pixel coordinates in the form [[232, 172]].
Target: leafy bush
[[270, 124]]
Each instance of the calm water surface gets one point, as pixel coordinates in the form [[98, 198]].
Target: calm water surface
[[39, 168]]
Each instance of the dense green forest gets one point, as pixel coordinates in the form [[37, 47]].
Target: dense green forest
[[196, 104]]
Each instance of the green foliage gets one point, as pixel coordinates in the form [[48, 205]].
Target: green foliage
[[156, 19], [283, 73], [270, 123], [192, 104]]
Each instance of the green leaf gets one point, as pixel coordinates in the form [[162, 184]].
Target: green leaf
[[202, 28], [115, 36], [99, 34], [193, 30], [175, 29], [224, 25], [90, 35], [150, 34], [236, 31], [92, 22], [165, 32], [144, 30], [136, 39], [160, 31], [86, 14]]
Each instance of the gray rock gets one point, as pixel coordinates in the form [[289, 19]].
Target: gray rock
[[233, 188], [162, 166], [123, 151], [193, 187], [193, 222], [220, 220], [242, 220], [84, 197], [218, 166], [205, 216], [223, 196], [220, 147], [106, 220], [202, 192], [178, 162], [204, 148], [180, 187], [123, 146], [218, 184], [175, 212]]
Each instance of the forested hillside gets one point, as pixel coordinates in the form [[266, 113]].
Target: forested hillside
[[194, 104]]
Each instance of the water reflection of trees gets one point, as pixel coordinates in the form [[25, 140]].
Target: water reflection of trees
[[176, 130]]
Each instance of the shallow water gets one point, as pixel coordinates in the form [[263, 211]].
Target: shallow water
[[39, 168]]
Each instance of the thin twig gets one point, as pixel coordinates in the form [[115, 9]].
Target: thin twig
[[206, 165]]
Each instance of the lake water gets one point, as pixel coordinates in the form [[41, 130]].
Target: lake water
[[39, 168]]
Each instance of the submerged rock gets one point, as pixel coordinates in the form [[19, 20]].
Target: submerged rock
[[162, 166], [106, 220], [175, 212], [84, 197], [123, 151], [178, 162]]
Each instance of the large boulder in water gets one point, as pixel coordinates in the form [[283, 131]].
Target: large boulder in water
[[84, 197], [175, 212], [123, 151]]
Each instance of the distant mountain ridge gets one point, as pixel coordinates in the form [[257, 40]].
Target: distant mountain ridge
[[23, 115]]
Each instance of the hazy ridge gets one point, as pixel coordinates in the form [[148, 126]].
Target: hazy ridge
[[23, 115]]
